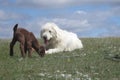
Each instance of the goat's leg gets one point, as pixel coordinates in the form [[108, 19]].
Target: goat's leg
[[30, 52], [29, 48], [21, 39], [22, 49], [12, 43], [25, 48]]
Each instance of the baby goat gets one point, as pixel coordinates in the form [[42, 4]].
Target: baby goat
[[27, 42]]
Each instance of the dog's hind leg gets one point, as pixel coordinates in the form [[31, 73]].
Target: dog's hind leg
[[12, 45]]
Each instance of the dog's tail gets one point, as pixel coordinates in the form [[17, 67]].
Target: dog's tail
[[15, 27]]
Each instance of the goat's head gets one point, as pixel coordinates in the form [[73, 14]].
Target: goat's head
[[41, 51]]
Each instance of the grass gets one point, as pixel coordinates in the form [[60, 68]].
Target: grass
[[93, 62]]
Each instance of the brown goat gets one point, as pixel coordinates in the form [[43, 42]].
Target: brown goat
[[27, 42]]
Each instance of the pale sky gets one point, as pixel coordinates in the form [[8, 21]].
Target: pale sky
[[86, 18]]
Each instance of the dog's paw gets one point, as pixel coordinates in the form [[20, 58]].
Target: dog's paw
[[48, 52]]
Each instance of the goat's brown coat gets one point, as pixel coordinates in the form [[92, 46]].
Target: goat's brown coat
[[27, 42]]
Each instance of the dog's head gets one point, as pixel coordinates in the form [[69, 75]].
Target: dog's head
[[49, 32]]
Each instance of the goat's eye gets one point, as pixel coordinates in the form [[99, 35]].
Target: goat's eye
[[50, 31]]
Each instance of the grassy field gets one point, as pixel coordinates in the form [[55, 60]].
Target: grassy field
[[94, 62]]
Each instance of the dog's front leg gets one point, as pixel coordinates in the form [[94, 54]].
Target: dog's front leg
[[11, 46], [55, 50]]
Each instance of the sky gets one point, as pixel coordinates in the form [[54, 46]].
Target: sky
[[86, 18]]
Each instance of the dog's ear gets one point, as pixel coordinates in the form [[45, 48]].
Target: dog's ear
[[56, 30]]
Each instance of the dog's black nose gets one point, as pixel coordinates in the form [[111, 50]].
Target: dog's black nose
[[45, 37]]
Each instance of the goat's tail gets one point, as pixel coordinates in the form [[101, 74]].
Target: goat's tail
[[15, 27]]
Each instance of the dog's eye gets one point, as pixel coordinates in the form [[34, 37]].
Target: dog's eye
[[50, 31]]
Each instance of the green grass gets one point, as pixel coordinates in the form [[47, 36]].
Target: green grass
[[93, 62]]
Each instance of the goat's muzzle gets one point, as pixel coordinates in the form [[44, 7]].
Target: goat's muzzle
[[41, 51]]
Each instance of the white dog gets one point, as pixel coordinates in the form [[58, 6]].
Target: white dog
[[58, 40]]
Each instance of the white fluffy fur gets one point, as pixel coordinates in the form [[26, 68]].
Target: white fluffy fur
[[58, 40]]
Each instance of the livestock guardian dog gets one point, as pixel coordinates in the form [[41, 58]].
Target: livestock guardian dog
[[58, 40], [27, 42]]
